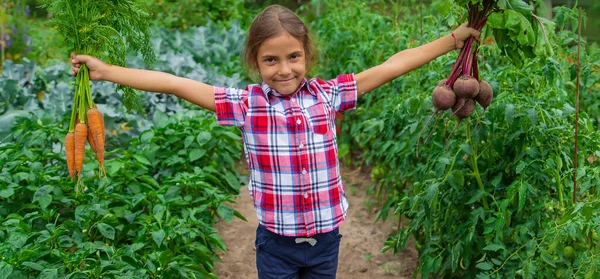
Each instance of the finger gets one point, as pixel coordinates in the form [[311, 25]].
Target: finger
[[77, 59], [82, 58]]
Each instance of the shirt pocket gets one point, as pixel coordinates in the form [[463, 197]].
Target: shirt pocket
[[318, 118]]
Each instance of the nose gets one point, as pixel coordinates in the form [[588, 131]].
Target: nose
[[284, 69]]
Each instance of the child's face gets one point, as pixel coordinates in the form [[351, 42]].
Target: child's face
[[281, 63]]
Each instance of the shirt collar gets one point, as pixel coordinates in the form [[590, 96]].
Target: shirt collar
[[305, 84]]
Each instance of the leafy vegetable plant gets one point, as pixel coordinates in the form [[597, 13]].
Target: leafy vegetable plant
[[518, 32], [107, 29], [495, 206]]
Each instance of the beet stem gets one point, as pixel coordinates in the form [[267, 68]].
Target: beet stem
[[437, 117], [421, 133]]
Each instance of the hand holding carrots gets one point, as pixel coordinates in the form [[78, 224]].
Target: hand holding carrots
[[87, 123], [95, 66], [462, 33]]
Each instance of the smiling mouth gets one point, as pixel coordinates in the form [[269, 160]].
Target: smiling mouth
[[286, 80]]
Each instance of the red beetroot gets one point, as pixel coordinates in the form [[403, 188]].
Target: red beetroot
[[466, 87], [486, 94], [484, 98], [442, 98], [462, 112]]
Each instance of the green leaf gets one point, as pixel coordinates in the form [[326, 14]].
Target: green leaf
[[158, 236], [458, 177], [17, 239], [496, 181], [160, 119], [484, 266], [466, 148], [203, 137], [509, 113], [239, 215], [443, 7], [142, 159], [494, 247], [7, 119], [476, 197], [543, 45], [7, 193], [150, 180], [147, 136], [412, 128], [520, 167], [225, 212], [558, 162], [34, 266], [188, 141], [523, 187], [196, 154], [457, 251], [166, 257], [230, 135], [158, 211], [578, 207], [106, 230], [5, 270], [215, 239], [42, 196], [589, 274], [113, 166], [520, 6], [49, 274]]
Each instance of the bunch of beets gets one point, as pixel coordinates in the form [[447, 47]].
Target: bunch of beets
[[463, 87]]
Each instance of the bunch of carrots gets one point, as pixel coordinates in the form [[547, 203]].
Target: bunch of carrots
[[110, 30], [87, 125]]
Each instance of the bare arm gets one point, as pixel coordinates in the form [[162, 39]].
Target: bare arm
[[411, 59], [193, 91]]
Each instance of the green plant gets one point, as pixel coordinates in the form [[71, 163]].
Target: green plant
[[15, 40], [152, 219], [189, 13], [105, 29], [480, 210]]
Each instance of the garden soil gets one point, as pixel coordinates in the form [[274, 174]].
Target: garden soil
[[360, 249]]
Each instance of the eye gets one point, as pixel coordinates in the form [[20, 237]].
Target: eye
[[295, 56], [269, 60]]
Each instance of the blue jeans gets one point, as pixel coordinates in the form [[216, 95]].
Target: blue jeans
[[280, 257]]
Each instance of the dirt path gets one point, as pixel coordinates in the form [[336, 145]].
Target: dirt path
[[360, 248]]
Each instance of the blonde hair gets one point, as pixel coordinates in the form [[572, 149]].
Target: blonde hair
[[271, 22]]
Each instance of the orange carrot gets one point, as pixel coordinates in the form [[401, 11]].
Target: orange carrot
[[80, 139], [70, 150], [96, 125], [91, 140]]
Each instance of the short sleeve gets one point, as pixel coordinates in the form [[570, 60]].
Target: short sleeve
[[231, 106], [342, 92]]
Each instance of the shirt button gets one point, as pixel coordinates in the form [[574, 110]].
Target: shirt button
[[303, 171], [293, 100], [306, 195], [298, 121], [301, 145]]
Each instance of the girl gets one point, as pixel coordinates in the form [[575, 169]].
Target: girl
[[288, 127]]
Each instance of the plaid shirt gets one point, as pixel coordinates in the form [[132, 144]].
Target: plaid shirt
[[291, 149]]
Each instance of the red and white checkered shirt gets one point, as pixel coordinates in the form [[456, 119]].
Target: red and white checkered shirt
[[291, 149]]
